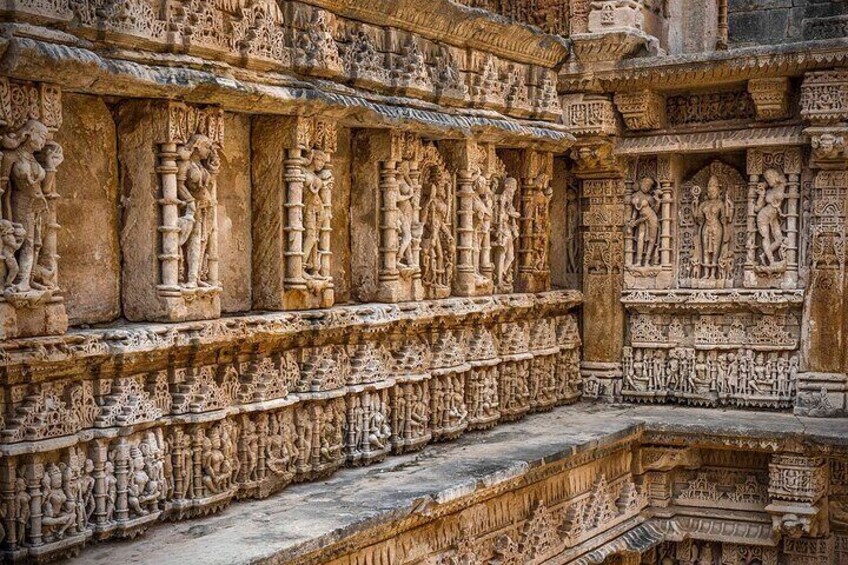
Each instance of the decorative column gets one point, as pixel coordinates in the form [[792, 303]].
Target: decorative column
[[386, 210], [292, 212], [30, 301], [171, 271], [602, 189], [822, 388], [474, 164], [534, 170]]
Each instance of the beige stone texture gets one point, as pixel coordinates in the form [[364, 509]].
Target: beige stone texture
[[89, 212]]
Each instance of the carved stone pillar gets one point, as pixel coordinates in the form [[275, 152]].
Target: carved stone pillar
[[534, 169], [473, 164], [30, 304], [823, 384], [171, 270], [292, 213], [602, 188], [798, 495], [386, 208]]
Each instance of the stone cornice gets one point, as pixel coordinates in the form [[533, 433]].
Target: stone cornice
[[664, 143], [79, 69], [444, 20], [719, 67]]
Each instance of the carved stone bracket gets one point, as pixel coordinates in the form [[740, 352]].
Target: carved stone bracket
[[797, 485], [771, 97], [589, 115], [30, 304], [642, 110]]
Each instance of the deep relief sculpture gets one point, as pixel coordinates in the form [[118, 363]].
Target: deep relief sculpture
[[189, 162], [438, 244], [711, 226], [31, 303]]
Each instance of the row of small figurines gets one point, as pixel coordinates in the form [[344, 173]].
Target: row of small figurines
[[117, 486], [743, 372], [64, 407]]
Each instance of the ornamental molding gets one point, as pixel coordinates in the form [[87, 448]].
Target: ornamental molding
[[702, 142]]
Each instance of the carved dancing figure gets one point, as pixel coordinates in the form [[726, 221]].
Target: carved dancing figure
[[318, 180], [27, 180], [196, 177], [482, 214], [506, 233], [646, 223], [438, 239], [407, 204], [770, 197], [714, 219]]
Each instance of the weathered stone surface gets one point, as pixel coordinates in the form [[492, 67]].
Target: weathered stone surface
[[294, 236], [89, 212]]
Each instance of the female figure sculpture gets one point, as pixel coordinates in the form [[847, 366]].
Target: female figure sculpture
[[771, 195], [27, 181], [196, 177], [645, 221], [506, 233], [713, 218], [317, 184], [437, 240]]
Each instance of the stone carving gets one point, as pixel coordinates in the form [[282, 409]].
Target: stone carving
[[505, 235], [189, 164], [30, 114], [317, 50], [437, 239], [711, 212]]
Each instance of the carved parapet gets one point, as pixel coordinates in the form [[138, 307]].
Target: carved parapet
[[31, 303], [824, 97], [586, 115], [643, 110], [771, 97], [202, 413], [797, 485]]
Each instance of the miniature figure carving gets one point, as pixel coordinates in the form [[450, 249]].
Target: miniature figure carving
[[199, 164], [770, 197], [318, 185], [713, 216], [437, 241], [645, 223], [482, 222], [506, 234], [27, 185]]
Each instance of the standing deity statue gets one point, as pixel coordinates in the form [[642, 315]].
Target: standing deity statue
[[645, 223], [770, 197], [482, 214], [437, 242], [27, 182], [198, 167], [506, 233], [408, 203], [539, 216], [712, 244], [317, 185]]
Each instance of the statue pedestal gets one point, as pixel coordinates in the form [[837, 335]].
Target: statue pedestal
[[28, 315]]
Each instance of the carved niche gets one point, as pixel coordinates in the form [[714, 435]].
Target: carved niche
[[310, 185], [712, 228], [648, 245], [438, 243], [387, 208], [772, 218], [30, 304]]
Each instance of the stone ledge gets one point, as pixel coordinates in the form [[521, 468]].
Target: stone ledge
[[312, 523]]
